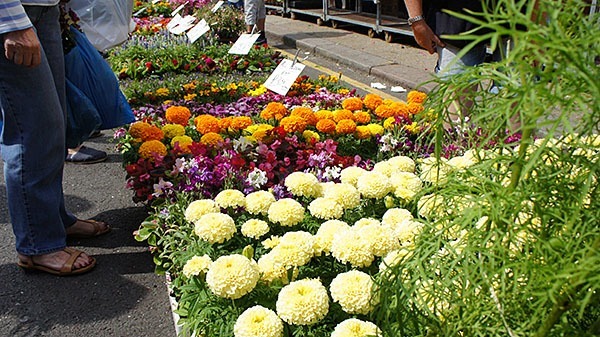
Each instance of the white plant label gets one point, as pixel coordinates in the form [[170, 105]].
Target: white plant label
[[217, 6], [185, 23], [198, 30], [243, 44], [283, 76], [177, 9]]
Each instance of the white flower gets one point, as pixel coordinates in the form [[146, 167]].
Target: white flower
[[257, 178]]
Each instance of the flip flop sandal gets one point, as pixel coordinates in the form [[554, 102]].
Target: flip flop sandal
[[67, 269], [100, 228]]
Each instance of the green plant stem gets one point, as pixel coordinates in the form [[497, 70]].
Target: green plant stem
[[563, 304]]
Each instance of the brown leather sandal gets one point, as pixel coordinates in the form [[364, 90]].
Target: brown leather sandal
[[27, 263], [100, 227]]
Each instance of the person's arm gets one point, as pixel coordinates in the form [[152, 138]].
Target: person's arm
[[21, 44], [424, 35]]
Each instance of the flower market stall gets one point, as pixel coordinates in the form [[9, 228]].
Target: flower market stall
[[327, 213]]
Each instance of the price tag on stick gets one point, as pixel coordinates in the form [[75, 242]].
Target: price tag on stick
[[198, 30], [283, 76], [243, 44], [217, 6], [184, 24]]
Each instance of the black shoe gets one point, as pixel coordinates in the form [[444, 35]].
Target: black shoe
[[86, 155], [262, 39]]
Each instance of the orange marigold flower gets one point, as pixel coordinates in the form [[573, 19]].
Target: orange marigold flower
[[241, 122], [178, 115], [183, 142], [399, 109], [211, 138], [372, 101], [326, 126], [152, 132], [305, 113], [324, 114], [384, 111], [352, 104], [338, 115], [274, 110], [207, 123], [416, 97], [293, 124], [415, 108], [362, 117], [136, 129], [362, 132], [152, 148], [225, 123], [345, 126]]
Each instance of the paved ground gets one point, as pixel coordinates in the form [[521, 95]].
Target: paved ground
[[123, 297]]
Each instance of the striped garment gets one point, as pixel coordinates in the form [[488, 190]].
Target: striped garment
[[13, 16]]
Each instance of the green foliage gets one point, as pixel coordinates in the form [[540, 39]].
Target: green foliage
[[514, 246]]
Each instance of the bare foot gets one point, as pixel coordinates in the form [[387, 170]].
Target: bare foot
[[87, 229]]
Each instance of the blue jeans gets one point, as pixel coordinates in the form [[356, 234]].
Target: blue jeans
[[33, 140]]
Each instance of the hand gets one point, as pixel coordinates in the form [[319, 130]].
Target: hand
[[425, 37], [23, 47]]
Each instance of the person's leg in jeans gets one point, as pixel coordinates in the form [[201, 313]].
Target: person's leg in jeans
[[33, 146]]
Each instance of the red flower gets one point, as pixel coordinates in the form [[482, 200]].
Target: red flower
[[175, 62], [149, 66]]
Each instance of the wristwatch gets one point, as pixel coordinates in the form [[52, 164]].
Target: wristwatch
[[415, 19]]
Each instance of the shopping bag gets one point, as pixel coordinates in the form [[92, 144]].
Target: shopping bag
[[91, 74], [106, 23], [82, 117]]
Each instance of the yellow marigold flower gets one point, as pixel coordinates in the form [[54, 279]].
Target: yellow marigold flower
[[373, 185], [384, 167], [415, 108], [394, 216], [241, 122], [345, 126], [302, 184], [350, 174], [212, 139], [254, 228], [402, 163], [372, 101], [352, 104], [376, 129], [271, 242], [349, 246], [258, 321], [414, 96], [324, 114], [232, 276], [178, 115], [274, 110], [259, 202], [286, 212], [137, 129], [183, 142], [362, 117], [384, 111], [393, 258], [389, 123], [230, 198], [198, 208], [215, 227], [326, 126], [353, 327], [173, 130], [162, 92], [325, 208], [381, 239], [326, 233], [196, 265], [305, 113], [309, 135], [345, 194], [303, 302], [151, 148], [152, 132], [293, 124], [270, 270], [362, 132], [207, 123], [294, 249], [430, 204], [353, 290], [342, 114]]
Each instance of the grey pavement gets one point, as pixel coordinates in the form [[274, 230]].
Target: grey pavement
[[122, 296]]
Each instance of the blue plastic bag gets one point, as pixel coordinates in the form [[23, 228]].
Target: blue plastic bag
[[91, 74], [82, 117]]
